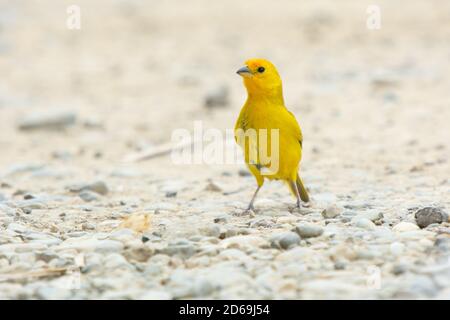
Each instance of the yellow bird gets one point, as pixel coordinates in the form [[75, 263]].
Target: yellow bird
[[267, 131]]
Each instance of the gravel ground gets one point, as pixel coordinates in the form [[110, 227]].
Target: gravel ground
[[76, 222]]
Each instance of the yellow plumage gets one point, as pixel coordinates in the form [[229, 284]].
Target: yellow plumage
[[263, 112]]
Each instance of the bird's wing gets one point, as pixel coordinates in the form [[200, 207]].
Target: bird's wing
[[295, 128]]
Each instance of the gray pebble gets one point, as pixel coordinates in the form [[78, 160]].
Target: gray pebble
[[217, 97], [307, 230], [211, 231], [285, 240], [99, 187], [183, 249], [47, 121], [89, 196], [372, 215], [331, 212], [363, 223], [429, 215]]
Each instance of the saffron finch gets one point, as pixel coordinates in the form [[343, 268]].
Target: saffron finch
[[273, 148]]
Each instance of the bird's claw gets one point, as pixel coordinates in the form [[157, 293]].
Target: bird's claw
[[247, 212]]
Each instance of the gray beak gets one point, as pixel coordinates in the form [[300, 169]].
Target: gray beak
[[244, 71]]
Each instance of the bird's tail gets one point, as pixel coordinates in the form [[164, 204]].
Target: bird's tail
[[301, 189]]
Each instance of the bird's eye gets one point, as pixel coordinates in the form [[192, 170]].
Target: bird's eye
[[261, 69]]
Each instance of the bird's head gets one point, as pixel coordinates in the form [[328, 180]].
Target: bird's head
[[260, 77]]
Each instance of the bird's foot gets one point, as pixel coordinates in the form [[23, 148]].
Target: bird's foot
[[295, 209], [250, 211]]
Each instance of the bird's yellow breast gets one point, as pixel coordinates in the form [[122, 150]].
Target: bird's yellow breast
[[284, 149]]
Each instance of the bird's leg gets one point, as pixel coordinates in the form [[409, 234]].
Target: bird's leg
[[250, 206], [297, 193]]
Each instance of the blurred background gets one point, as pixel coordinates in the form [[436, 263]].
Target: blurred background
[[376, 100], [373, 105]]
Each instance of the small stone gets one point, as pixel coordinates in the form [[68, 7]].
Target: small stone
[[331, 212], [222, 218], [363, 223], [397, 248], [339, 265], [285, 240], [45, 256], [443, 244], [263, 222], [213, 187], [399, 268], [244, 173], [99, 187], [35, 204], [429, 215], [217, 97], [405, 226], [183, 249], [47, 121], [171, 194], [5, 185], [373, 215], [211, 231], [139, 253], [115, 261], [28, 196], [89, 196], [307, 230]]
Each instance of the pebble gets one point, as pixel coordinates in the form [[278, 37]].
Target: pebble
[[99, 187], [285, 240], [307, 230], [184, 284], [372, 215], [89, 196], [347, 216], [363, 223], [261, 222], [139, 253], [115, 261], [183, 249], [397, 248], [217, 97], [405, 226], [331, 212], [211, 231], [442, 244], [340, 265], [429, 215], [54, 120], [244, 173], [32, 204], [399, 268]]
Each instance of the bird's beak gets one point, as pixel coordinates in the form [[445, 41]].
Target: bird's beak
[[244, 72]]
